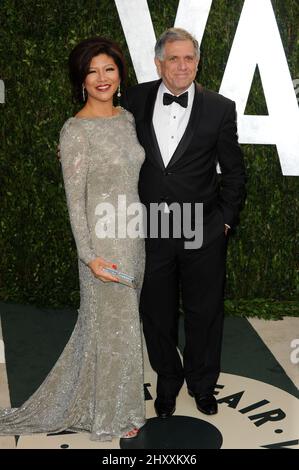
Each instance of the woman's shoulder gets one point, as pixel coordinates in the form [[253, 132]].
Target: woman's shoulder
[[72, 127], [128, 115]]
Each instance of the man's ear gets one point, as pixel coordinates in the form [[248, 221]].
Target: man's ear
[[158, 65]]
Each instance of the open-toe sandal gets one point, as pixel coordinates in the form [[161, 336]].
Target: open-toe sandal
[[130, 434]]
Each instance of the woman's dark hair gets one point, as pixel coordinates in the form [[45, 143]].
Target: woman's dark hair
[[81, 56]]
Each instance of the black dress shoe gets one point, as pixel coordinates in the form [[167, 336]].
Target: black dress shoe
[[164, 407], [207, 404]]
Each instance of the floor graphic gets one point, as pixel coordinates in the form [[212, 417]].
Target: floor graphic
[[258, 403]]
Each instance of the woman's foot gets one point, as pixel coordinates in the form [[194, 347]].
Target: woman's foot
[[131, 434]]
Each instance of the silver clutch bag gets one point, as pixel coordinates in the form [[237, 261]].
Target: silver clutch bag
[[124, 278]]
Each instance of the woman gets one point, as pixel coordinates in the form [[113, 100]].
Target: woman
[[97, 383]]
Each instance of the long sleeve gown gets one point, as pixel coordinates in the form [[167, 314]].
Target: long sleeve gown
[[97, 383]]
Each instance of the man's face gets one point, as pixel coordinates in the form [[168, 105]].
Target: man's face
[[179, 65]]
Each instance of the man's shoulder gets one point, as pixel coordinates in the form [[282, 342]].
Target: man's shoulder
[[215, 98]]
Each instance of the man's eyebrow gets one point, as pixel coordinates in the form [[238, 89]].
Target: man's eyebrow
[[187, 55]]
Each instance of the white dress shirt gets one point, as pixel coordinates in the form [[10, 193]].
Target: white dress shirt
[[170, 121]]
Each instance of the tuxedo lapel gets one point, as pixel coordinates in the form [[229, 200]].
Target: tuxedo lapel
[[191, 126], [152, 146]]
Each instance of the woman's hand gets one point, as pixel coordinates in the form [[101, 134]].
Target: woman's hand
[[97, 265]]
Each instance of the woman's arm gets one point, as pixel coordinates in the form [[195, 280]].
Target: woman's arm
[[74, 161]]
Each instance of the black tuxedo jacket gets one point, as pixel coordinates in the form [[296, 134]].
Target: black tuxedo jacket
[[191, 176]]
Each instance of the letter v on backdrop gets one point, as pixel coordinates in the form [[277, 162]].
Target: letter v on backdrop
[[257, 43]]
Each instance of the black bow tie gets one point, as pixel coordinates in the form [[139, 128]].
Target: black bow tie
[[182, 99]]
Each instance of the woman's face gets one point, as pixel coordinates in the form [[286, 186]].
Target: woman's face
[[102, 79]]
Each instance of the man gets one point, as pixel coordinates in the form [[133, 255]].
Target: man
[[185, 130]]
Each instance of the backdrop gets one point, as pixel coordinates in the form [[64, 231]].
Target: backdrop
[[38, 259]]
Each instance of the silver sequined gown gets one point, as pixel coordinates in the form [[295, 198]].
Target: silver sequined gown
[[97, 383]]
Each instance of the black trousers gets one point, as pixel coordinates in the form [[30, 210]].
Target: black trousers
[[201, 273]]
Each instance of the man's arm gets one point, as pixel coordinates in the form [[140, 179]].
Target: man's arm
[[233, 178]]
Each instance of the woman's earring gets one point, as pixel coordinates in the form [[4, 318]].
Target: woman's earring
[[83, 93], [118, 92]]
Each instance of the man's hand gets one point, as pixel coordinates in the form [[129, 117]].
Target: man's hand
[[226, 229]]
